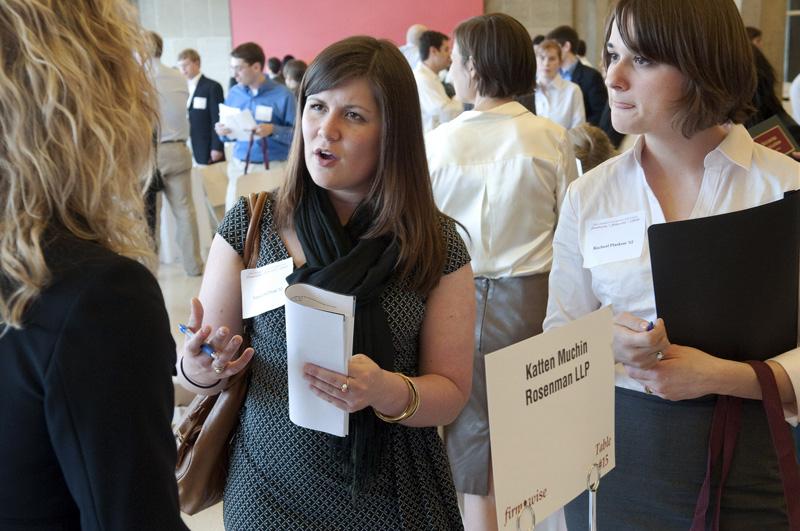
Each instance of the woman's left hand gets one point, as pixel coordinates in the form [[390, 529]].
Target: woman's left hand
[[351, 392], [683, 373]]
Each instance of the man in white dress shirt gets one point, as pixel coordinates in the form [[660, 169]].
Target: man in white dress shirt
[[437, 107], [556, 98], [205, 95], [411, 48], [794, 97]]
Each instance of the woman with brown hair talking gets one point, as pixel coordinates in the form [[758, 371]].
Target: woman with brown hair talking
[[356, 216], [86, 396]]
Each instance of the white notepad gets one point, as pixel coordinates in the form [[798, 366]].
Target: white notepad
[[319, 330]]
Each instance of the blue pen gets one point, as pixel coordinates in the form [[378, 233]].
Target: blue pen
[[205, 347]]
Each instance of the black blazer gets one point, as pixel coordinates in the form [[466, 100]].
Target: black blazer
[[86, 400], [595, 96], [595, 100], [201, 121]]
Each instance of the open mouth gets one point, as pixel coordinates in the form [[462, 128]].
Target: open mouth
[[324, 154]]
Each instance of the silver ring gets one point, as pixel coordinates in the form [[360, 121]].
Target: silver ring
[[659, 355], [218, 369], [345, 386], [648, 390]]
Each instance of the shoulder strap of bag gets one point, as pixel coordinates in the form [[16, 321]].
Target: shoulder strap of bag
[[782, 440], [264, 152], [252, 240], [724, 430]]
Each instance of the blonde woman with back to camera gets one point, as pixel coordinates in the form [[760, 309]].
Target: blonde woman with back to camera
[[86, 388]]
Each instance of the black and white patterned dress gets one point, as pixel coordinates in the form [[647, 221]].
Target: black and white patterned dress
[[283, 476]]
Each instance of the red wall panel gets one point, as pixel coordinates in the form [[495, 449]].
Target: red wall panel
[[304, 27]]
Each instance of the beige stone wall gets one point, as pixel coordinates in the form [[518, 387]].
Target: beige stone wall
[[770, 17], [540, 16], [204, 25], [588, 17]]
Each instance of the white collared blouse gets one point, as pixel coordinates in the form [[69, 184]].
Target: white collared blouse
[[502, 174], [739, 174]]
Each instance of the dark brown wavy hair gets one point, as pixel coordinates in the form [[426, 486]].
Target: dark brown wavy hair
[[400, 196]]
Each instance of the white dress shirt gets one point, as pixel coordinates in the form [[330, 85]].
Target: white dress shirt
[[561, 101], [502, 174], [437, 107], [172, 97], [411, 53], [192, 85], [739, 174], [794, 97]]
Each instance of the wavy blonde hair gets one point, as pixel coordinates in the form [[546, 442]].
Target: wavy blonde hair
[[77, 113]]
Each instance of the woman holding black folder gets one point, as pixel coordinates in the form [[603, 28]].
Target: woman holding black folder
[[680, 74]]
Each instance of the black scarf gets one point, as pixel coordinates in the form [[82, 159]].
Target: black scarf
[[338, 259]]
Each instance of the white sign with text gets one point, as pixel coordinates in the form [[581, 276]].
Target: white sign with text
[[551, 417]]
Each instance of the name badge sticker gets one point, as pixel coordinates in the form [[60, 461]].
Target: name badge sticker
[[199, 102], [263, 287], [613, 239], [263, 113]]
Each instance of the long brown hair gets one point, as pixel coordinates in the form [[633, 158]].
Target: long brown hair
[[400, 196], [77, 112]]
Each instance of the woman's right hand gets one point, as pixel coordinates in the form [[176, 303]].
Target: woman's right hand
[[198, 366], [636, 346]]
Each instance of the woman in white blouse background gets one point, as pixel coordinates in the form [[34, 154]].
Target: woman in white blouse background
[[684, 85], [501, 172], [556, 98]]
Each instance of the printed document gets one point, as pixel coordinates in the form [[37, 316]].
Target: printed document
[[239, 121]]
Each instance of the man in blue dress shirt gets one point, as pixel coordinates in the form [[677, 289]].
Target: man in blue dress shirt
[[272, 106]]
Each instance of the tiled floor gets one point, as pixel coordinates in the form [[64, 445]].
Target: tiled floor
[[178, 290]]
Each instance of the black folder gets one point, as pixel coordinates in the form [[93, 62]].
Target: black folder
[[728, 284]]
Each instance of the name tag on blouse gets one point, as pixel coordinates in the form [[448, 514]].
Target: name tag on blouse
[[613, 239], [263, 287]]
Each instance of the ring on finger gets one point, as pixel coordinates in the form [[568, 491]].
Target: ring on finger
[[218, 368], [345, 386], [648, 390], [659, 356]]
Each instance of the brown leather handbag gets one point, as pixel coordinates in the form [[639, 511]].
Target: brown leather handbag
[[204, 434]]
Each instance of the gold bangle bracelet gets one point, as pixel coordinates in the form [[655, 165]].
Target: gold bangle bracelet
[[411, 408]]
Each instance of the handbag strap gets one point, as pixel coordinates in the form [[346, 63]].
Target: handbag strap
[[725, 426], [256, 203], [782, 440], [264, 152]]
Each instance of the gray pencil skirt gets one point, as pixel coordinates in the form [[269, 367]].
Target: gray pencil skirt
[[661, 456], [508, 311]]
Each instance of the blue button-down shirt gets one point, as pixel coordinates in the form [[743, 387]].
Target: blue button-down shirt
[[566, 73], [283, 106]]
